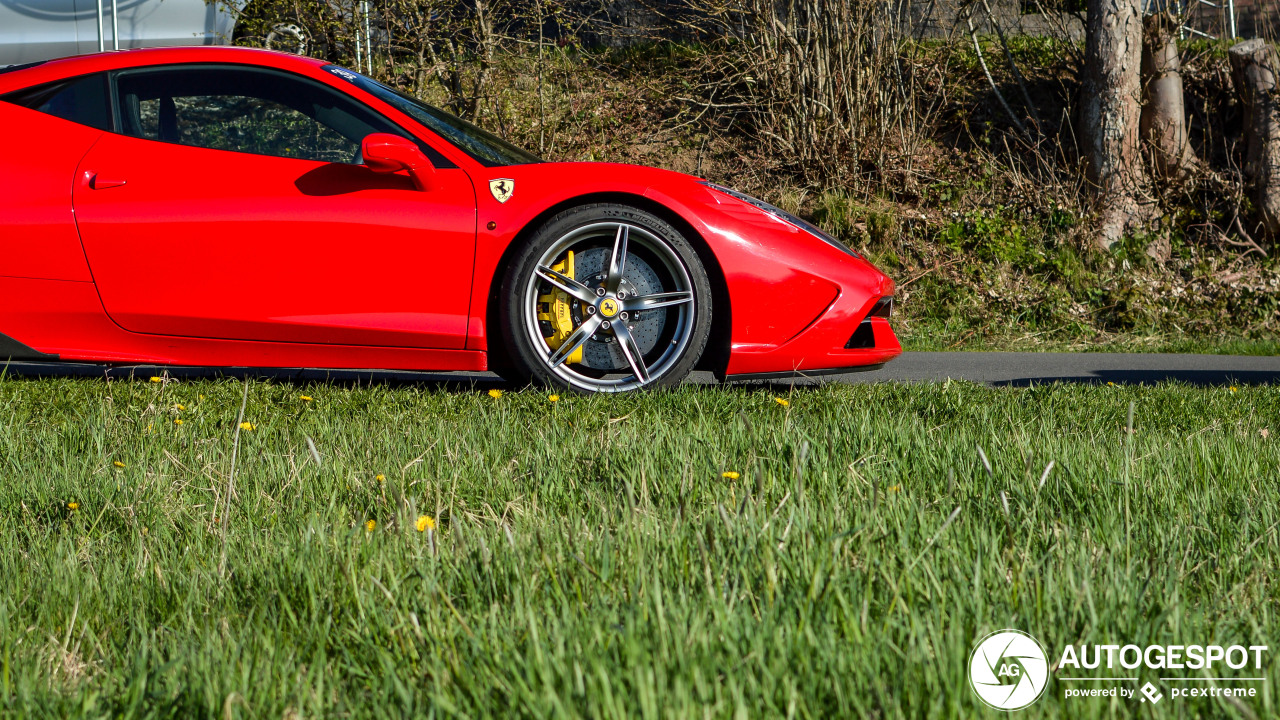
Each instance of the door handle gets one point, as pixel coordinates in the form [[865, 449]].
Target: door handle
[[97, 182]]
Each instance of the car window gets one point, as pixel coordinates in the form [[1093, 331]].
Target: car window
[[485, 147], [81, 100], [248, 110]]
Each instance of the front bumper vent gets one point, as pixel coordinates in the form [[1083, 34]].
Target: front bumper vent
[[883, 308], [864, 338]]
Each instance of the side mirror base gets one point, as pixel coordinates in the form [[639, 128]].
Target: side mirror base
[[387, 153]]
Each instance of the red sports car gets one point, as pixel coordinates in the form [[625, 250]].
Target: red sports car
[[237, 207]]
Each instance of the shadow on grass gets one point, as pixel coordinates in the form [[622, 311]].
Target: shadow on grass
[[1200, 378], [470, 382], [441, 380]]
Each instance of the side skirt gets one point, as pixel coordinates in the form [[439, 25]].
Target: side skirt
[[11, 349]]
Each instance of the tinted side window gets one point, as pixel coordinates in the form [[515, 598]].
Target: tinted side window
[[81, 100], [244, 110]]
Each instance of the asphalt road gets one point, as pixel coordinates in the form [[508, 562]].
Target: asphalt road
[[990, 368]]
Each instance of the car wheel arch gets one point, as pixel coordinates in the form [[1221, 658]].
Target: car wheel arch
[[716, 356]]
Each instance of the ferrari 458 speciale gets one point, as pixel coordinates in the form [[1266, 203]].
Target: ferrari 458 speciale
[[239, 207]]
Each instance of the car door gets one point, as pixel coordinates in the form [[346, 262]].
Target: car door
[[38, 237], [232, 204]]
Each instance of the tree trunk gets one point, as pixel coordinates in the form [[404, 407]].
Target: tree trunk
[[1164, 122], [1110, 108], [1252, 68]]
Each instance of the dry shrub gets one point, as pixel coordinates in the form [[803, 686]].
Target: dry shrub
[[822, 84]]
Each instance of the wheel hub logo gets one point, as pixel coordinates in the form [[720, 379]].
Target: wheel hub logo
[[609, 307], [1008, 670]]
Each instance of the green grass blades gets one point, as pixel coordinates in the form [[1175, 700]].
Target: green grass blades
[[418, 551]]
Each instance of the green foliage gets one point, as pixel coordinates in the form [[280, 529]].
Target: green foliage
[[591, 558], [1068, 267], [1132, 249], [1038, 50], [844, 217], [953, 191], [994, 236], [1123, 306]]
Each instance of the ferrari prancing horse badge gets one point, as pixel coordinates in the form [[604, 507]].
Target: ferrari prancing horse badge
[[502, 189]]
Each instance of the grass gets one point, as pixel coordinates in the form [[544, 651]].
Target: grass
[[591, 559], [929, 335]]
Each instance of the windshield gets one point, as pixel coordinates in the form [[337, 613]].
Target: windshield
[[487, 148]]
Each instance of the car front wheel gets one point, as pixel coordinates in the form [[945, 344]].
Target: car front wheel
[[605, 298]]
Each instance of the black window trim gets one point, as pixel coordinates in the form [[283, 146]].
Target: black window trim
[[66, 82], [24, 66], [438, 159]]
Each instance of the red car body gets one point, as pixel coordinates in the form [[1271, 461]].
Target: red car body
[[119, 249]]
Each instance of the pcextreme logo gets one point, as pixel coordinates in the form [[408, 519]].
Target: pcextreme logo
[[1009, 670]]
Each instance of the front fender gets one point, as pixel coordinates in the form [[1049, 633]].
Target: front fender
[[794, 299]]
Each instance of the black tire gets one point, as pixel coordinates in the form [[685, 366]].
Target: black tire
[[660, 311]]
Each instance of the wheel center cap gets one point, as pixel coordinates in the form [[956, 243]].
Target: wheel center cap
[[609, 307]]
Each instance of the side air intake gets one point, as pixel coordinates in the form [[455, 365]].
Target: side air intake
[[864, 338]]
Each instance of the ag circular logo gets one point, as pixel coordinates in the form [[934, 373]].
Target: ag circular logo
[[1008, 670]]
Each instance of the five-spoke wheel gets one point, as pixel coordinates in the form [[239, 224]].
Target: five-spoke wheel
[[606, 298]]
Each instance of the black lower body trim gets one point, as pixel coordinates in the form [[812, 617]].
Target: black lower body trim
[[788, 374], [11, 349]]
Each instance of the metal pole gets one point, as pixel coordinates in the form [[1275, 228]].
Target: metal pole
[[359, 58], [115, 27], [102, 43], [368, 39], [1231, 17]]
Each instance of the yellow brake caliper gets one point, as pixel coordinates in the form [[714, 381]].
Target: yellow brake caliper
[[554, 309]]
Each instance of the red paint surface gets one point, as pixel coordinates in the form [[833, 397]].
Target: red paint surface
[[37, 161], [250, 247]]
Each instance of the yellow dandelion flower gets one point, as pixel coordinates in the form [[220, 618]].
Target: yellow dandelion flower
[[425, 523], [1110, 384], [495, 393], [73, 506], [781, 401], [369, 526], [1234, 388], [306, 398], [895, 488], [156, 379], [246, 426], [730, 475], [177, 421], [201, 397], [381, 478], [118, 464], [553, 398]]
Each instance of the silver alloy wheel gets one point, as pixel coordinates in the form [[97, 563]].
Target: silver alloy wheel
[[289, 37], [606, 307]]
